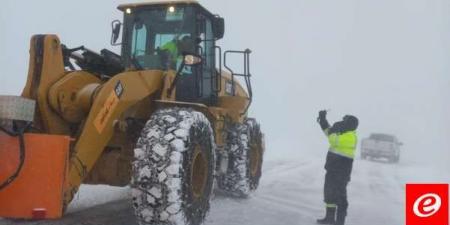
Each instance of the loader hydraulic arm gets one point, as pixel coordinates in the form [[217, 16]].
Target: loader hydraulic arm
[[115, 97]]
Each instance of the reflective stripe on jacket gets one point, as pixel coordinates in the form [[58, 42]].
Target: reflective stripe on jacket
[[343, 144]]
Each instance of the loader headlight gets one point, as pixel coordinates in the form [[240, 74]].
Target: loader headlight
[[128, 10], [172, 9]]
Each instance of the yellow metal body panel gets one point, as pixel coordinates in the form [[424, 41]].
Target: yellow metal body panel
[[106, 111], [239, 90], [45, 68], [232, 105], [65, 98]]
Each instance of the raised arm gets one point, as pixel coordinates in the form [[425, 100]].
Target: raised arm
[[322, 120]]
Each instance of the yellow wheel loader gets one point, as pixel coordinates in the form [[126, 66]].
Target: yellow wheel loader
[[163, 117]]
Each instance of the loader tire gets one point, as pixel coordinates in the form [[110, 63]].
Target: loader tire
[[245, 147], [173, 169]]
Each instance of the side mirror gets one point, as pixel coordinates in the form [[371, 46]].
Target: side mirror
[[192, 60], [219, 27], [116, 26]]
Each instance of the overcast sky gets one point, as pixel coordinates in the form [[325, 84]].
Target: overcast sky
[[385, 61]]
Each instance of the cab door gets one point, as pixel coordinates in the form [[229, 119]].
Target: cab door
[[199, 86], [208, 53]]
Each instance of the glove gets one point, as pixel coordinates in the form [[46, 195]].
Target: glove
[[322, 120], [322, 115]]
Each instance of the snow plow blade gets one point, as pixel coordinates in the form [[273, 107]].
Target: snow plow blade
[[38, 190]]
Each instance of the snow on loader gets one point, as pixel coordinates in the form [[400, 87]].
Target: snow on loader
[[162, 117]]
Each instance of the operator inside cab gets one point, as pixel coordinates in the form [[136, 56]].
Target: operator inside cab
[[161, 35], [174, 51]]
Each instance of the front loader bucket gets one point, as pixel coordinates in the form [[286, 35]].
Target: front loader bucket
[[37, 192]]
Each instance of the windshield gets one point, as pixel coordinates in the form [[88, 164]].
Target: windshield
[[160, 36]]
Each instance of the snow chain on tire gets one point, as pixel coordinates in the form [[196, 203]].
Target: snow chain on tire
[[173, 170], [245, 147]]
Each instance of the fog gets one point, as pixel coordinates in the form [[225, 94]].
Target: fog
[[384, 61]]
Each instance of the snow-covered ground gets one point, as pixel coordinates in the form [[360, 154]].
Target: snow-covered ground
[[290, 193]]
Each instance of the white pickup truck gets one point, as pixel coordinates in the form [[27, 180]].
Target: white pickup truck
[[381, 146]]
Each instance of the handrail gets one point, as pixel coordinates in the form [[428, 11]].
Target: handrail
[[218, 86], [246, 74]]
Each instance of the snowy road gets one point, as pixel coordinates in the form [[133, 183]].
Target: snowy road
[[290, 193]]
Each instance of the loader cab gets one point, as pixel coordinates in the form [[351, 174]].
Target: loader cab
[[157, 36]]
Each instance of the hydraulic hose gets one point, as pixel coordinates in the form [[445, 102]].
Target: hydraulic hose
[[18, 132]]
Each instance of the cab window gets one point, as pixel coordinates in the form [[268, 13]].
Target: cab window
[[139, 40]]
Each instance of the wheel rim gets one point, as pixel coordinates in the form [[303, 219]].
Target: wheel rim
[[199, 175], [255, 159]]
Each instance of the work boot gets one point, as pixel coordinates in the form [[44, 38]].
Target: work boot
[[329, 216], [340, 218]]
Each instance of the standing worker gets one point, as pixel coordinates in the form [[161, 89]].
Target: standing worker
[[342, 139]]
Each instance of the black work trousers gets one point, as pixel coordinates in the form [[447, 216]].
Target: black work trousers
[[335, 191]]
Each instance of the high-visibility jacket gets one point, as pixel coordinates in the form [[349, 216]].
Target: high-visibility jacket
[[175, 58], [341, 154], [343, 144], [172, 48]]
